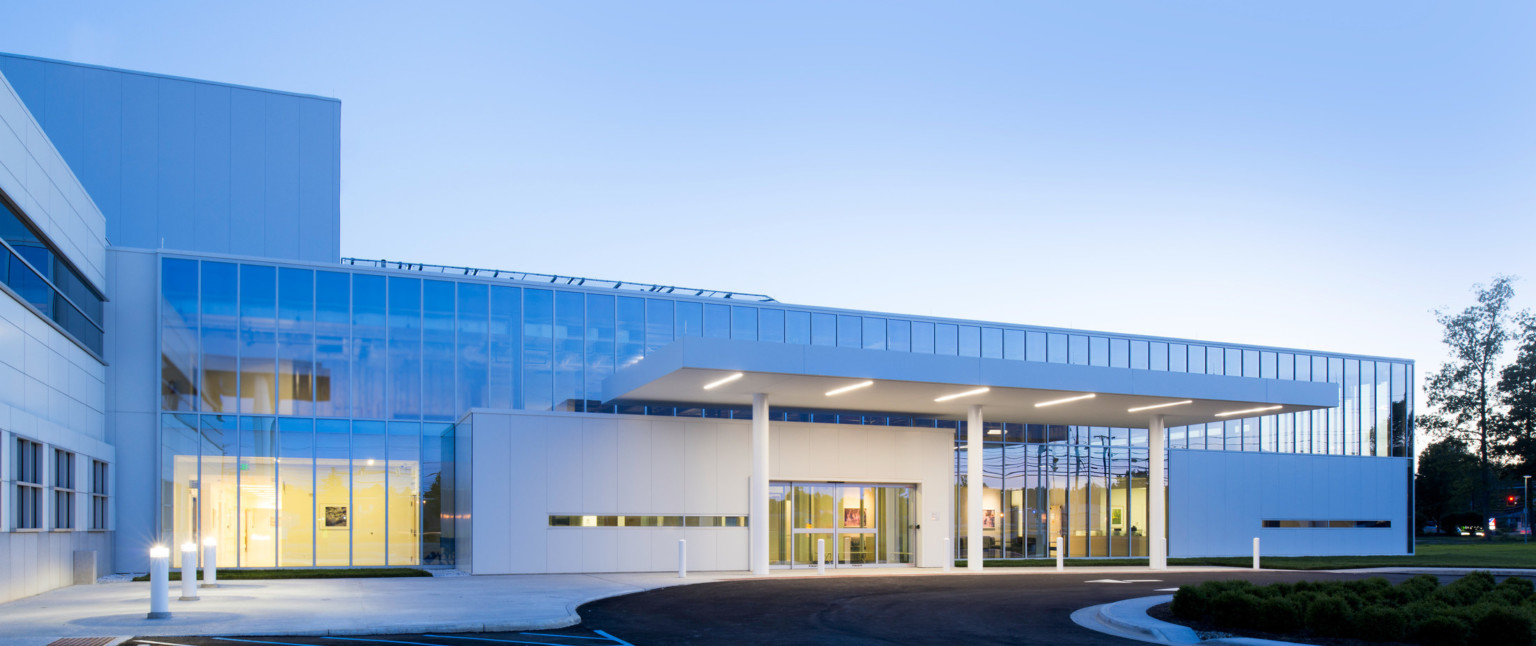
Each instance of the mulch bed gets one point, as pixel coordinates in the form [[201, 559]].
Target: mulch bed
[[1164, 612]]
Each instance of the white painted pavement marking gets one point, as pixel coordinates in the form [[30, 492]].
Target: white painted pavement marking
[[1125, 581], [1166, 590]]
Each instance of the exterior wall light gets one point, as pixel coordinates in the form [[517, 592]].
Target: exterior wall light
[[1156, 406], [838, 391], [1065, 400], [716, 384], [967, 393], [1246, 411]]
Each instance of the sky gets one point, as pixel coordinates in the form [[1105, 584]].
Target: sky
[[1317, 175]]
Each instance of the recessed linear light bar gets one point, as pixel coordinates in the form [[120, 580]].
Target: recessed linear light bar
[[1066, 399], [1249, 410], [1155, 406], [716, 384], [967, 393], [851, 388]]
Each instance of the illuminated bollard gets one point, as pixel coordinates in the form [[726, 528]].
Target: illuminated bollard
[[189, 571], [682, 558], [210, 563], [821, 556], [949, 556], [1061, 556], [1255, 552], [159, 582]]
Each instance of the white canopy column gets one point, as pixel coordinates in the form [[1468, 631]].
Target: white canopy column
[[1157, 530], [757, 520], [973, 488]]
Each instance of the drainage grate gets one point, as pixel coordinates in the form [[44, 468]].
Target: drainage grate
[[81, 641]]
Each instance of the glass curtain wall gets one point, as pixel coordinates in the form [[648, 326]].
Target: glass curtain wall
[[251, 341], [1087, 485], [297, 492]]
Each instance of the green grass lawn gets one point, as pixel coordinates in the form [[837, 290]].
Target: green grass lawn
[[315, 573], [1430, 553]]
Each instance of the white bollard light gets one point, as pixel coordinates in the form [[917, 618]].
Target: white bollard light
[[189, 571], [1061, 555], [821, 556], [210, 563], [159, 582], [949, 556], [1255, 552], [682, 558]]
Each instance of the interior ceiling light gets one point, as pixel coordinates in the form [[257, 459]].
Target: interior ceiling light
[[1249, 410], [1065, 400], [863, 384], [995, 431], [967, 393], [716, 384], [1138, 409]]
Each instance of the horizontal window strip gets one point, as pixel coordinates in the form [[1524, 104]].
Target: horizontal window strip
[[646, 521], [1328, 524]]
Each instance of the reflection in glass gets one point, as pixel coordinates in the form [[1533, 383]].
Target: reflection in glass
[[220, 337], [258, 336], [296, 492]]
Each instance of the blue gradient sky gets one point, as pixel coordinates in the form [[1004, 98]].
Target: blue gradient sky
[[1310, 174]]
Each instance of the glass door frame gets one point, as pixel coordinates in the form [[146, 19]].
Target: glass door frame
[[788, 532]]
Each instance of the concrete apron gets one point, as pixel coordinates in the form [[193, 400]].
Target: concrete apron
[[386, 605]]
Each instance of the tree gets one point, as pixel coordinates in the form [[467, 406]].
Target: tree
[[1444, 485], [1517, 390], [1463, 393]]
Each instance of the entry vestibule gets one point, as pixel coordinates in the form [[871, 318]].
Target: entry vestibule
[[859, 524]]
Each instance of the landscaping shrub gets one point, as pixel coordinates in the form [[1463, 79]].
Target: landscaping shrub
[[1235, 609], [1501, 625], [1190, 602], [1381, 624], [1465, 591], [1510, 592], [1473, 610], [1417, 588], [1329, 616], [1278, 615], [1441, 630]]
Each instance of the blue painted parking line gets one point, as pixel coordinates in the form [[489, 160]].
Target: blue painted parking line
[[616, 639], [258, 641], [505, 641], [605, 637], [382, 641]]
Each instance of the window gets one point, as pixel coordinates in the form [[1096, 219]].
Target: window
[[63, 489], [32, 266], [98, 494], [29, 484]]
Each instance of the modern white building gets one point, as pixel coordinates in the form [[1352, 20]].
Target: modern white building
[[188, 357]]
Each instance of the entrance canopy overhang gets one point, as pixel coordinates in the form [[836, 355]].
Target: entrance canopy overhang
[[799, 376]]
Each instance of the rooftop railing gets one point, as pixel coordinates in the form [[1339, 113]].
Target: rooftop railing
[[574, 281]]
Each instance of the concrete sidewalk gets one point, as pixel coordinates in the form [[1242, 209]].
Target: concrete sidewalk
[[386, 605], [324, 606]]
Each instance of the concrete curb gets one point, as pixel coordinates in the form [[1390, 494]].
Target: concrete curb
[[1439, 570], [1129, 619], [1131, 616]]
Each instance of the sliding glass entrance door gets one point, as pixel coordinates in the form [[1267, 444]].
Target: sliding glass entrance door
[[847, 525]]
